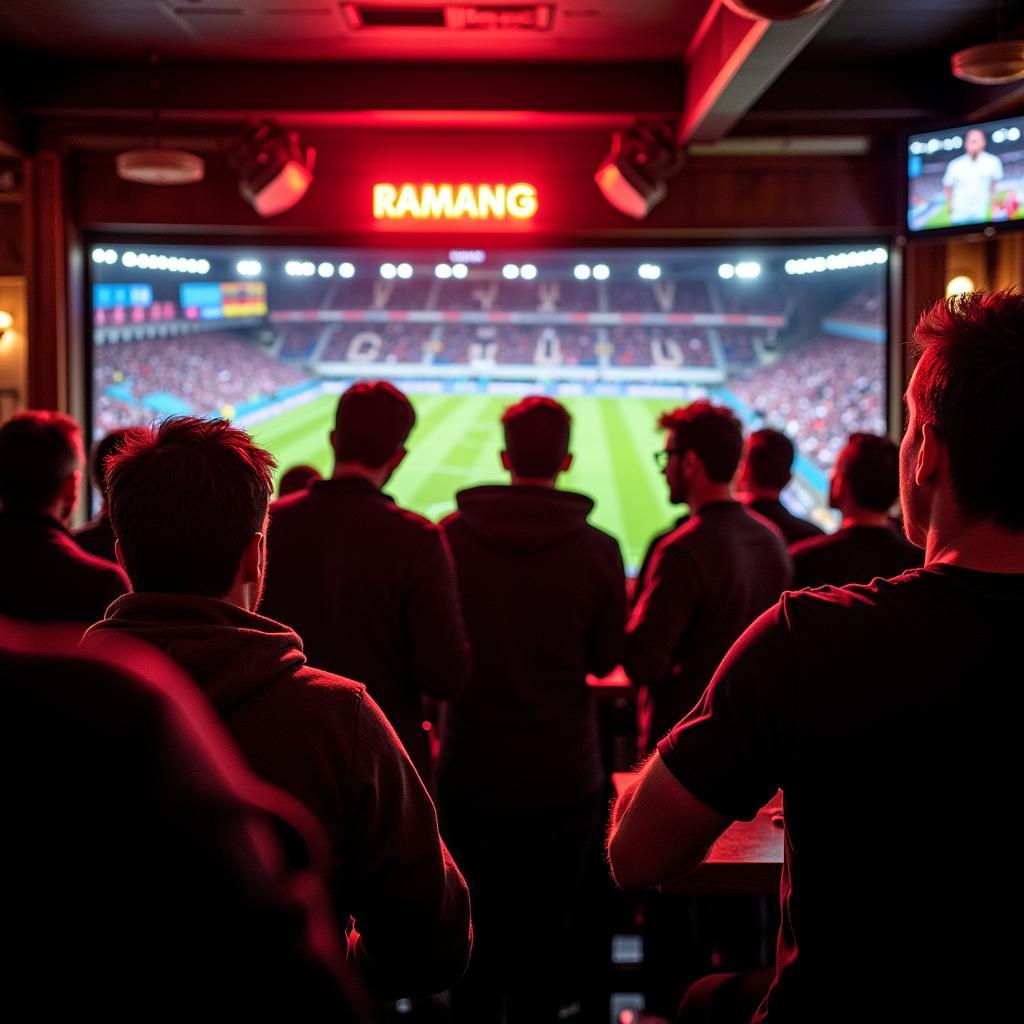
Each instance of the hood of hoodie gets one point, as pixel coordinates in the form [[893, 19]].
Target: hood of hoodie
[[229, 652], [521, 517]]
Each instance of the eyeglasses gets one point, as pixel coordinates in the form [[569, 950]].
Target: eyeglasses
[[661, 457]]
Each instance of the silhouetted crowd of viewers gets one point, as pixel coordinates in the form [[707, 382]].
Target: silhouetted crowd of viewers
[[224, 796]]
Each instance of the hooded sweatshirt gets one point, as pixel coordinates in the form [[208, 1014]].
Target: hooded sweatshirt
[[543, 594], [321, 738]]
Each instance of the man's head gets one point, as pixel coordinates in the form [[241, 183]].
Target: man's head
[[536, 439], [298, 478], [767, 463], [957, 457], [188, 505], [373, 422], [101, 451], [704, 444], [974, 141], [865, 480], [40, 459]]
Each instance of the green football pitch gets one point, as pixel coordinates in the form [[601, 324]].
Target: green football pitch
[[456, 441]]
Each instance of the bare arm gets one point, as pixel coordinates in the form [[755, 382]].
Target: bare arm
[[659, 830]]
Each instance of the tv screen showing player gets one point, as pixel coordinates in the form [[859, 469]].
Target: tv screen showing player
[[967, 176], [791, 337]]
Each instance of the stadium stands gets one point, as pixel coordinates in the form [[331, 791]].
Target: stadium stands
[[820, 393], [377, 343], [866, 307], [200, 373]]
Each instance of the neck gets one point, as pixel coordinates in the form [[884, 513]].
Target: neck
[[533, 481], [708, 495], [858, 517], [983, 547], [760, 494], [378, 477]]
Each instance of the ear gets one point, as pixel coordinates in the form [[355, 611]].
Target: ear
[[691, 463], [396, 460], [931, 457], [70, 488], [119, 554], [250, 568], [566, 463], [333, 437], [505, 463]]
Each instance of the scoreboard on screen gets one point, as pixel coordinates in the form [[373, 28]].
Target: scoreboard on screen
[[228, 300]]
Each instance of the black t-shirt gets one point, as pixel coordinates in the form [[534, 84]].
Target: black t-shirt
[[889, 716], [793, 527], [854, 554]]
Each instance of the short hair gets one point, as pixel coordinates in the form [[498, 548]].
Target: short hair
[[101, 451], [536, 436], [298, 478], [968, 384], [770, 458], [373, 422], [186, 496], [712, 432], [871, 469], [39, 450]]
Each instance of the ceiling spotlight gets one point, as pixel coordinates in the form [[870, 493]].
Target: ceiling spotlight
[[581, 272], [527, 271], [991, 63], [346, 270], [443, 271], [726, 271], [460, 270], [510, 271], [274, 173], [633, 176], [600, 272]]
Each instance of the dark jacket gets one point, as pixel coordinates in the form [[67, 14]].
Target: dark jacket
[[544, 598], [46, 577], [321, 738], [370, 589], [147, 846], [708, 581], [793, 527], [854, 554], [97, 537]]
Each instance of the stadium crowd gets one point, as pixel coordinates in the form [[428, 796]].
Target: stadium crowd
[[234, 793], [820, 392]]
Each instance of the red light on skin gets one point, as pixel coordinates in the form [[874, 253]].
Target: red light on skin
[[454, 202]]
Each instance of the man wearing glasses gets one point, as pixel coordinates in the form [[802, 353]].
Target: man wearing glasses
[[709, 579]]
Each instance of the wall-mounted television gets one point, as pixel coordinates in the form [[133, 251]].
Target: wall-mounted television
[[966, 178], [790, 336]]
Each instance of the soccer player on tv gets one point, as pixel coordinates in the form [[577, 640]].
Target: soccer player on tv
[[970, 181]]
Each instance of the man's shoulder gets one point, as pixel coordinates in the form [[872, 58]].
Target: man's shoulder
[[320, 689], [854, 600], [84, 564]]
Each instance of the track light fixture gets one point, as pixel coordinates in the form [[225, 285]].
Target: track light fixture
[[274, 173], [642, 159]]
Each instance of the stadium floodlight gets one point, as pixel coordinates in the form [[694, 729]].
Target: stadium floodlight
[[203, 266], [600, 272], [726, 271], [837, 261], [748, 269], [633, 175], [510, 271], [104, 256], [649, 271], [443, 271], [129, 259], [388, 271], [325, 269], [460, 270], [581, 272], [527, 271], [346, 270], [404, 271], [249, 268]]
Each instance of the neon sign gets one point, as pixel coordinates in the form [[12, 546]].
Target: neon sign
[[454, 202]]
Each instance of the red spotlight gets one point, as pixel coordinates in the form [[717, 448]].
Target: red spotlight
[[274, 173]]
